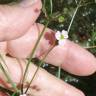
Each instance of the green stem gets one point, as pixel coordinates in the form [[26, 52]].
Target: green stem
[[5, 90], [72, 19], [44, 9], [31, 56], [76, 1], [2, 58], [8, 78], [59, 72], [40, 64], [51, 4], [90, 47]]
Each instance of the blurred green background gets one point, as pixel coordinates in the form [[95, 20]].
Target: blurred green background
[[83, 32]]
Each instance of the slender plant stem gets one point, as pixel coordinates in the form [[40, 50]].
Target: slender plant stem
[[4, 71], [59, 72], [6, 90], [44, 9], [2, 58], [32, 54], [72, 19], [76, 1], [70, 25], [51, 4], [59, 69], [40, 64], [90, 47], [8, 78]]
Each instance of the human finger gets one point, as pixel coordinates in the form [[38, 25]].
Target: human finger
[[16, 48], [71, 57], [44, 84], [16, 19]]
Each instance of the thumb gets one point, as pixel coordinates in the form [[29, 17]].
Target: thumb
[[16, 19]]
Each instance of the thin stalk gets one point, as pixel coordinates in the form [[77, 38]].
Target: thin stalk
[[1, 57], [51, 5], [70, 25], [44, 9], [59, 69], [32, 54], [40, 64], [76, 1], [90, 47], [72, 19], [5, 90], [59, 72], [8, 78]]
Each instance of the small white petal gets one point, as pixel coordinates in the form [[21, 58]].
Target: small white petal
[[64, 32], [58, 35], [61, 42], [66, 36]]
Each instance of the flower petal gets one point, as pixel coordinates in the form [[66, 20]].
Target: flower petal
[[66, 36], [58, 35], [64, 32], [61, 42]]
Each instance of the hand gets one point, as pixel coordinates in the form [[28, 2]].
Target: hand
[[15, 20], [70, 57]]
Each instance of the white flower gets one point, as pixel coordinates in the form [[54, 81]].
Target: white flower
[[61, 36], [23, 95]]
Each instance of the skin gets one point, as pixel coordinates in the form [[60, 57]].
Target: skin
[[71, 57], [68, 56], [59, 88], [14, 18]]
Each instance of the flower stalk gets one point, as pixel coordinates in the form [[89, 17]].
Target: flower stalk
[[32, 54], [8, 78], [40, 64]]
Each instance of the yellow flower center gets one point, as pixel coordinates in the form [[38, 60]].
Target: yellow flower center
[[62, 37]]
